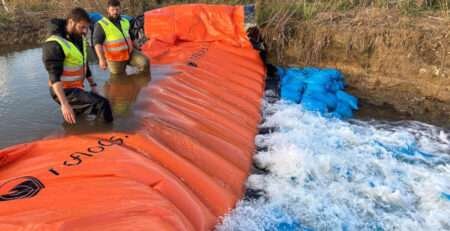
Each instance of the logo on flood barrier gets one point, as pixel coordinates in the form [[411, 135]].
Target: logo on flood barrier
[[20, 188], [192, 61]]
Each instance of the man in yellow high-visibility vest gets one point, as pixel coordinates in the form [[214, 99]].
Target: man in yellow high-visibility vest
[[64, 56], [113, 43]]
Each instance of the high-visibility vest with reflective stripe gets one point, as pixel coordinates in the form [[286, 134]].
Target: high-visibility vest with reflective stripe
[[75, 63], [118, 45]]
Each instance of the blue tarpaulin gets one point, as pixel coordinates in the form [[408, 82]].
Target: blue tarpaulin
[[96, 16]]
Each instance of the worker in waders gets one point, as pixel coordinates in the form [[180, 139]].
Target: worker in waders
[[113, 43], [64, 57]]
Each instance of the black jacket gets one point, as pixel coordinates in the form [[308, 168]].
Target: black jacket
[[53, 54]]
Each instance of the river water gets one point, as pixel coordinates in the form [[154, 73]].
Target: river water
[[27, 111]]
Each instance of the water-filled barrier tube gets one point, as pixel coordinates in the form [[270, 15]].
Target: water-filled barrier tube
[[185, 164]]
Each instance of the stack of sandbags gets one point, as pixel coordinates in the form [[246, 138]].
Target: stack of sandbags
[[319, 90]]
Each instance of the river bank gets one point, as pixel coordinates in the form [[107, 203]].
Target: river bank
[[387, 58]]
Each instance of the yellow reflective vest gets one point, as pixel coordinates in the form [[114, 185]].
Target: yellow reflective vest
[[75, 63], [118, 45]]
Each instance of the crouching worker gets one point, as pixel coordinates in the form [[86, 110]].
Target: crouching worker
[[65, 58], [113, 43]]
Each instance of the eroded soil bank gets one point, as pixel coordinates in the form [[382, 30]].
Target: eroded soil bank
[[387, 58]]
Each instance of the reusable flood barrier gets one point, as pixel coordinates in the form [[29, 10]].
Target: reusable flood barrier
[[186, 163]]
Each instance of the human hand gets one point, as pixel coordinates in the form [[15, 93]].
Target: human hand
[[68, 114], [102, 63], [94, 89]]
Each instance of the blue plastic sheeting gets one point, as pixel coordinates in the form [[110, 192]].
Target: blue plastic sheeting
[[318, 90], [264, 217], [285, 222], [445, 196], [411, 153], [127, 17], [96, 16]]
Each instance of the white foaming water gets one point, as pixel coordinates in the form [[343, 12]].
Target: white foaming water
[[327, 174]]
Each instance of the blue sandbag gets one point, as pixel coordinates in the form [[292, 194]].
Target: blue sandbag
[[294, 71], [340, 85], [344, 109], [326, 97], [309, 71], [291, 94], [337, 80], [285, 79], [312, 104], [318, 79], [336, 85], [281, 72], [319, 90], [334, 115], [325, 75], [289, 76], [316, 87], [292, 77], [292, 86], [349, 99], [330, 100], [332, 73]]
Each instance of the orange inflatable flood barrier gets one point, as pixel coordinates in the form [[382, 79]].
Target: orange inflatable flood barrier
[[186, 163]]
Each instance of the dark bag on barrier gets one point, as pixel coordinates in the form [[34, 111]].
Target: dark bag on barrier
[[137, 31]]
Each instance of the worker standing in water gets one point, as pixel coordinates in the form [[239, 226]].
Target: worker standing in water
[[65, 58], [113, 43]]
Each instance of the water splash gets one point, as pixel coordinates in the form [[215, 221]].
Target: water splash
[[328, 174]]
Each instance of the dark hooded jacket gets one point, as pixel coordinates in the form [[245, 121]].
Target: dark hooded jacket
[[53, 54]]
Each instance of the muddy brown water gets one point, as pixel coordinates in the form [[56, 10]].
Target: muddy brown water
[[28, 113]]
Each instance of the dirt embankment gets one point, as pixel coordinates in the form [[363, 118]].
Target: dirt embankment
[[25, 22], [387, 58], [23, 30]]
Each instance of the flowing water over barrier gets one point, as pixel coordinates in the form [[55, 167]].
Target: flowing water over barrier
[[328, 174]]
